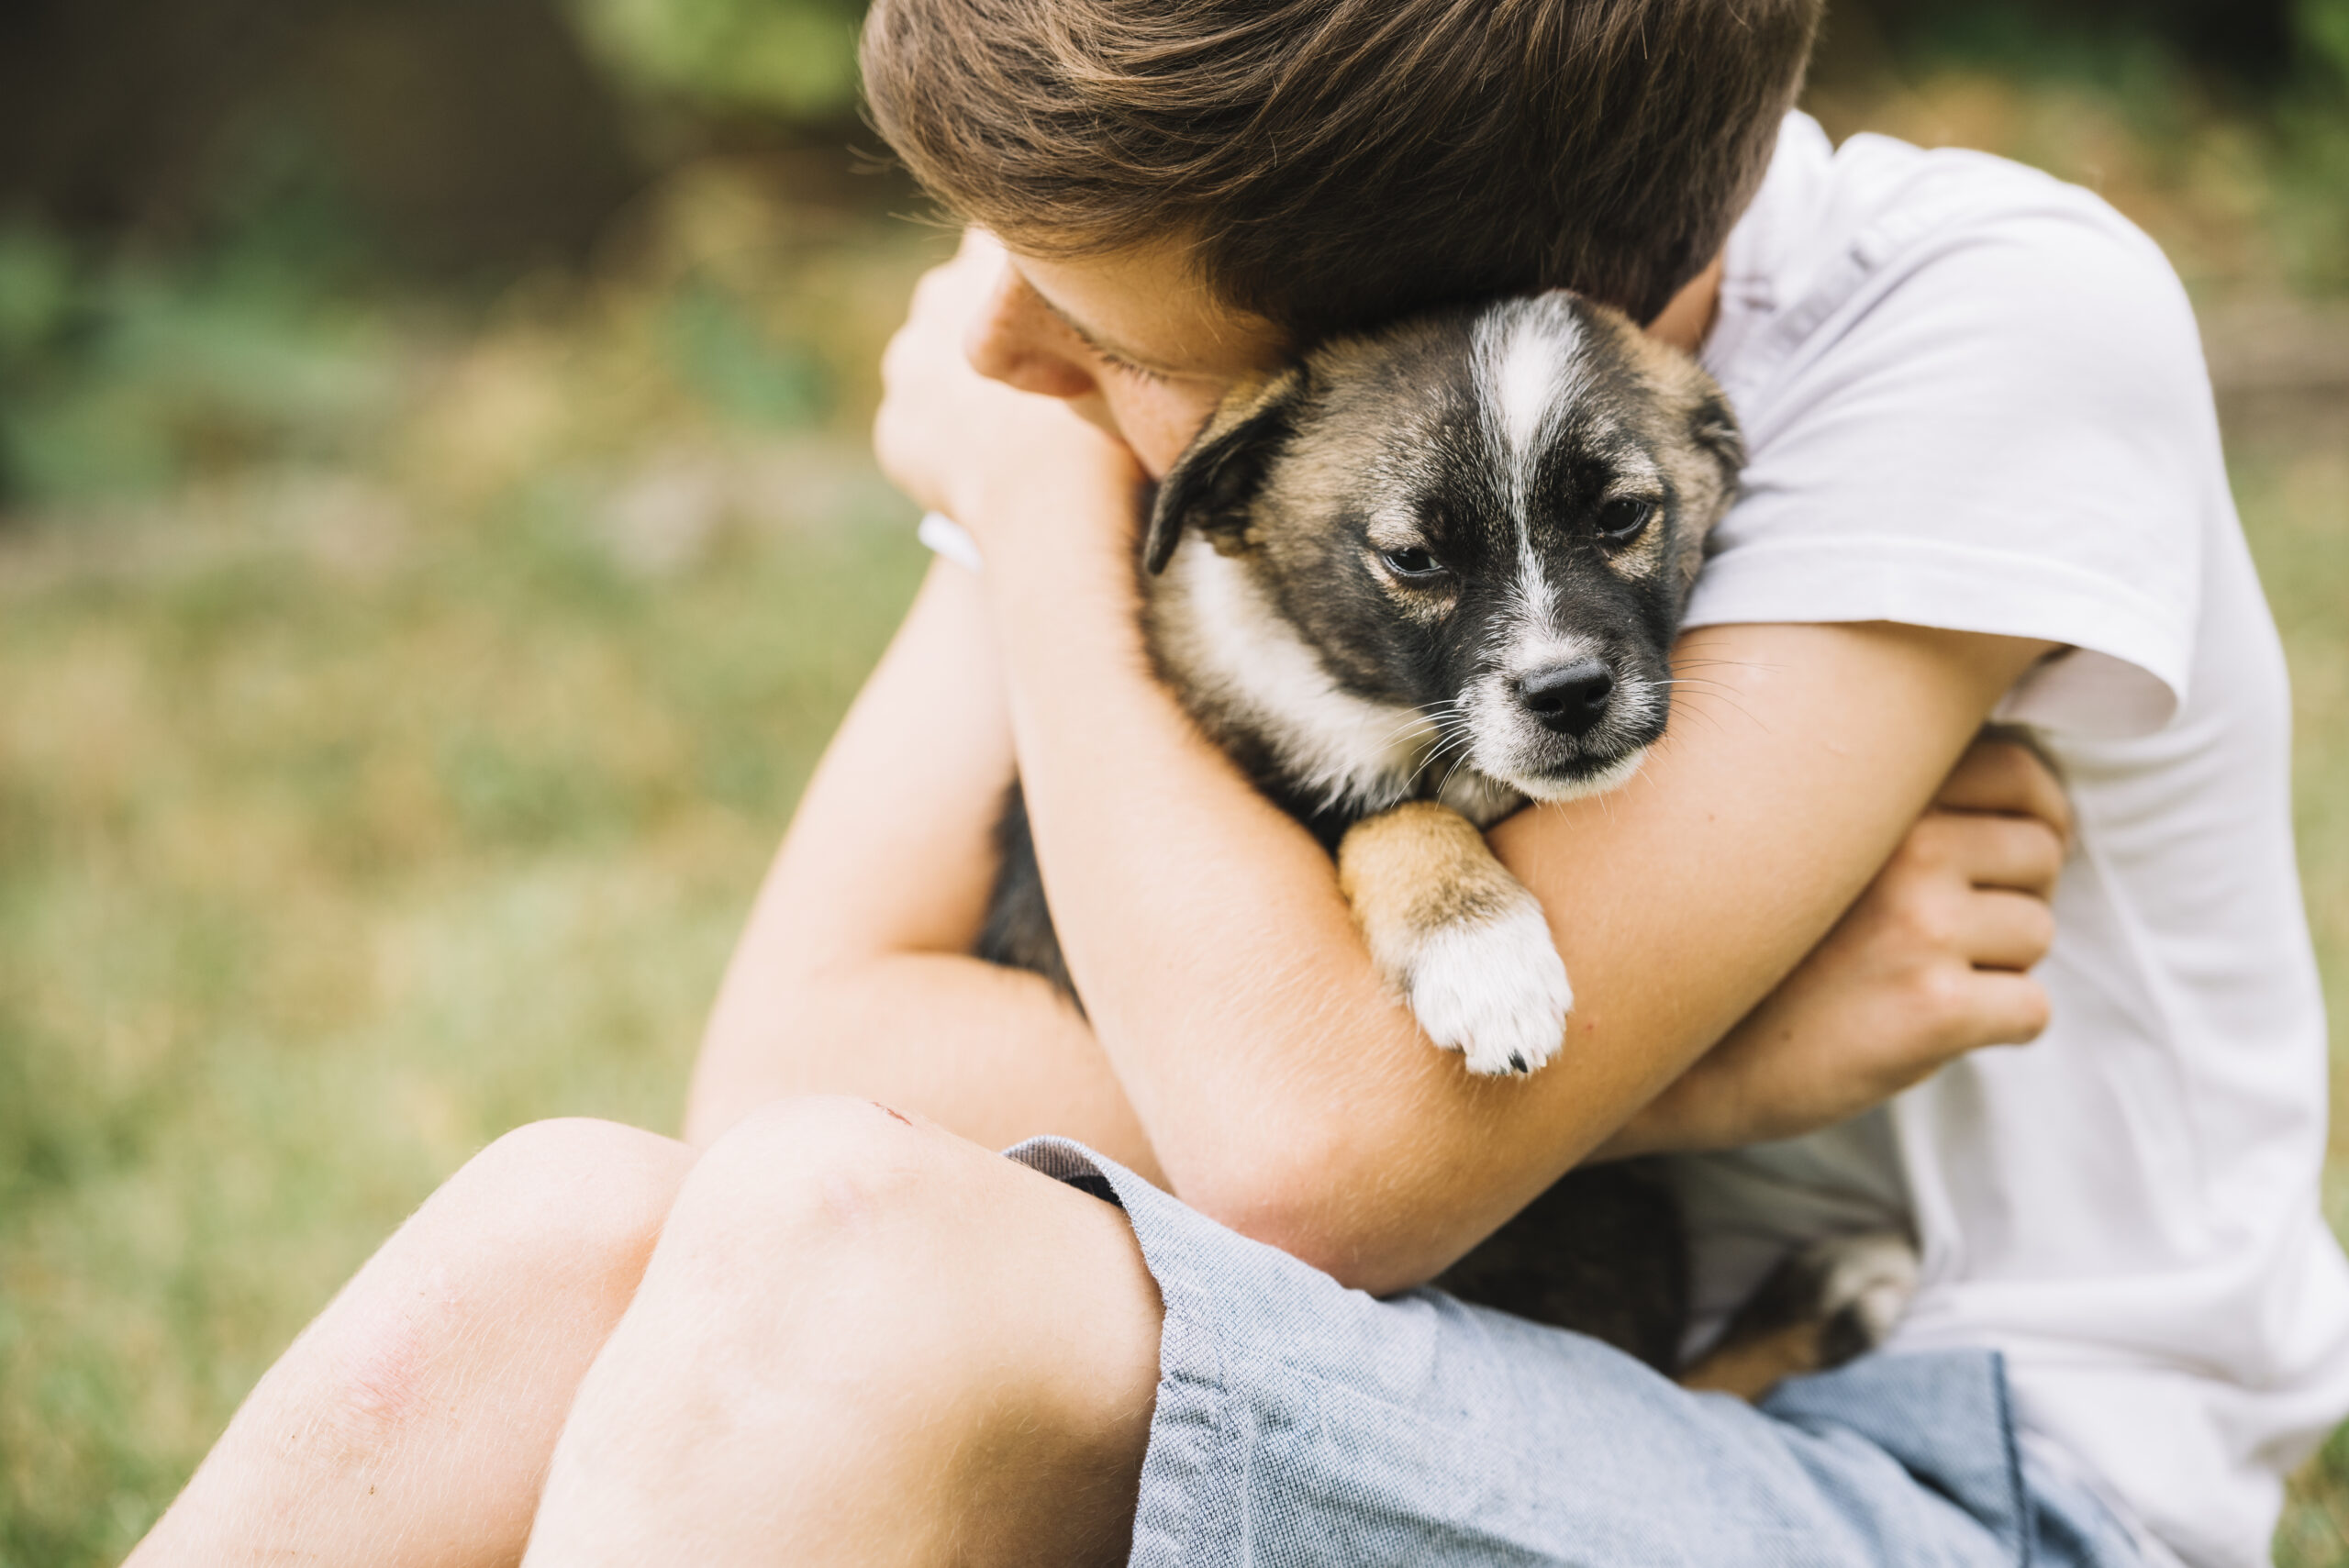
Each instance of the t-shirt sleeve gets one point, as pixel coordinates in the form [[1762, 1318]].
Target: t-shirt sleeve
[[2009, 432]]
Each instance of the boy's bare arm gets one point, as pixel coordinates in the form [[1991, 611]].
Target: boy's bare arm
[[1932, 963], [849, 977]]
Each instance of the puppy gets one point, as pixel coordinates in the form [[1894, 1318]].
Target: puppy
[[1418, 579]]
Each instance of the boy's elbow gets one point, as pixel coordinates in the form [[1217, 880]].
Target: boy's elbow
[[1311, 1200], [766, 1040]]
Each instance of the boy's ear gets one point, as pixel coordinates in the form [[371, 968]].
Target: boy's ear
[[1211, 484]]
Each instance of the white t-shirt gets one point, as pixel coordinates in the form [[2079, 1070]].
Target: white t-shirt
[[1975, 398]]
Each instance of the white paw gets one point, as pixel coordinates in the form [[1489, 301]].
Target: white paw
[[1864, 1284], [1494, 990]]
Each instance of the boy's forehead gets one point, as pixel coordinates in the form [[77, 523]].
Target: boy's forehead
[[1148, 305]]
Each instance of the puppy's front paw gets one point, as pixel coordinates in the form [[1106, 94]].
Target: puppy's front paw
[[1458, 936], [1493, 989]]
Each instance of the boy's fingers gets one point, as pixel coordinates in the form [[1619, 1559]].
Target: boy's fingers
[[2007, 1008], [2022, 852], [2002, 930], [2007, 776]]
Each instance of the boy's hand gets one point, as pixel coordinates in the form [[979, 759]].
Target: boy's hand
[[1929, 964], [949, 437]]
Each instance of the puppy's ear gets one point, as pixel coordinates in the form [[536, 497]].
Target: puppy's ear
[[1714, 431], [1211, 484], [1717, 454]]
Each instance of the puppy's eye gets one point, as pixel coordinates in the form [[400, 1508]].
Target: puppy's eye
[[1412, 562], [1622, 518]]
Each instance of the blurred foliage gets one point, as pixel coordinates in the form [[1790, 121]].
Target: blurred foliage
[[791, 58], [447, 137], [2325, 28], [2313, 136], [2222, 126], [725, 303], [131, 378], [2314, 1530]]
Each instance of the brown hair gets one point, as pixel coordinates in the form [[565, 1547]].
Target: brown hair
[[1334, 162]]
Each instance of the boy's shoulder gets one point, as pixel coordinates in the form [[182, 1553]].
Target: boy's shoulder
[[1975, 398], [1876, 239]]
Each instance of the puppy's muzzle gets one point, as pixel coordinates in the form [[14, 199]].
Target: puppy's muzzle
[[1568, 700]]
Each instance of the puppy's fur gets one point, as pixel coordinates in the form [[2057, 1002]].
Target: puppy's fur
[[1421, 577]]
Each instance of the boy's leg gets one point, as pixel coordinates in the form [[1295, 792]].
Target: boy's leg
[[412, 1422], [865, 1341]]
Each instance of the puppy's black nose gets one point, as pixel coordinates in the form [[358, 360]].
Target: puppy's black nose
[[1568, 699]]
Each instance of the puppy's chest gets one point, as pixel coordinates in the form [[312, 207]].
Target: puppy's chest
[[1260, 689]]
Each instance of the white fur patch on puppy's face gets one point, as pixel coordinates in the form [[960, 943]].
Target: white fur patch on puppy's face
[[1529, 368], [1529, 364]]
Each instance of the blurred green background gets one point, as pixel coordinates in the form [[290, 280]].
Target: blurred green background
[[436, 539]]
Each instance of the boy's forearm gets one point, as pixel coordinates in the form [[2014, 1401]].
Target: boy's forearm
[[1933, 963]]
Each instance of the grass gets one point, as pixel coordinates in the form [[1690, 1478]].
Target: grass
[[387, 767], [2296, 507]]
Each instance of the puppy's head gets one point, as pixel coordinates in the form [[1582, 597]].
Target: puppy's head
[[1490, 515]]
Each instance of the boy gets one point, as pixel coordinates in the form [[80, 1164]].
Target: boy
[[1984, 482]]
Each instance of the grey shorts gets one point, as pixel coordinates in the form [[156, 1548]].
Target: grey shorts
[[1301, 1422]]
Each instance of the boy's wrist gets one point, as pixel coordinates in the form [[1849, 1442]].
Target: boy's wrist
[[1692, 1116], [1050, 491], [1056, 529]]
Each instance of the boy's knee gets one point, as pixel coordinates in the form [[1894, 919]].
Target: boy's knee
[[824, 1228], [564, 1205], [809, 1174], [832, 1242]]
